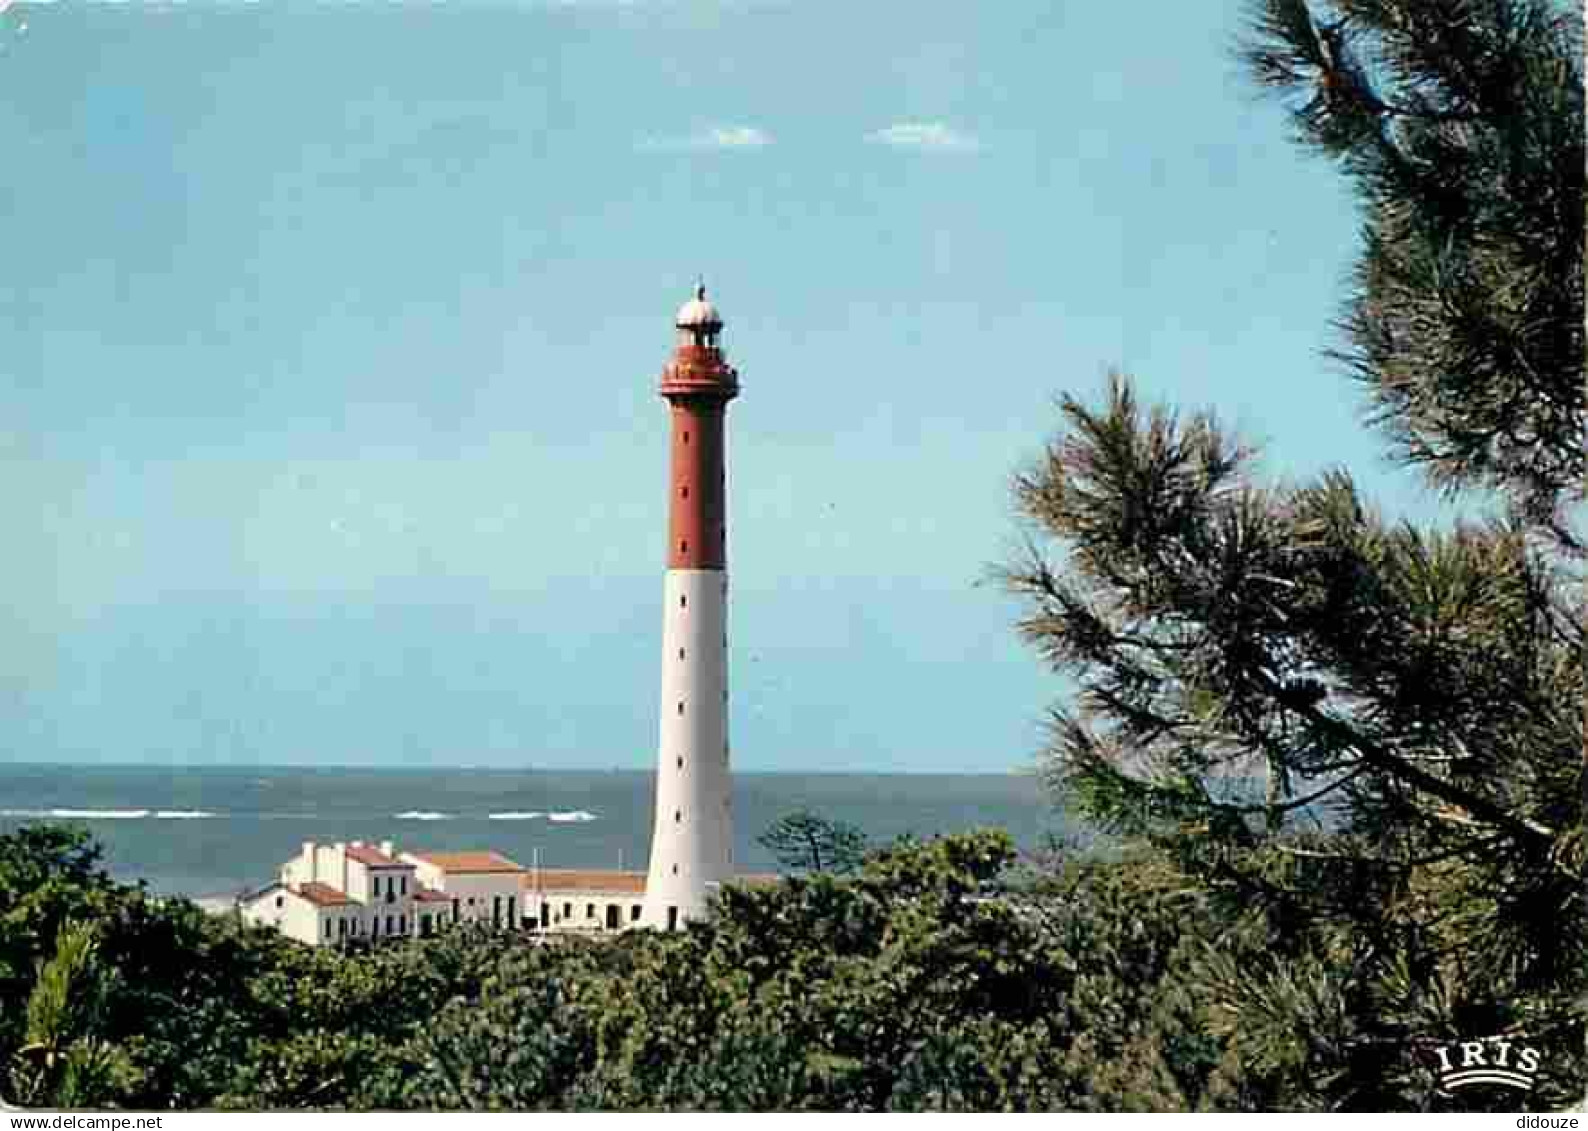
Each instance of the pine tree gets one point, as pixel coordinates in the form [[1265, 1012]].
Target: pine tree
[[1364, 737], [1460, 125], [66, 1062], [809, 842]]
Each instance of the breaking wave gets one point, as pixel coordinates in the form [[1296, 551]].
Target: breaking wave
[[79, 814], [578, 815], [570, 817], [111, 814]]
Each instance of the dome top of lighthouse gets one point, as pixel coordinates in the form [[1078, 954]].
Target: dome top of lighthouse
[[697, 313]]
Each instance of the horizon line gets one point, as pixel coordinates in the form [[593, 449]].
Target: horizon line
[[1017, 771]]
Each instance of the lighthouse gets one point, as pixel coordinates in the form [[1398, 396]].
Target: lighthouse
[[692, 840]]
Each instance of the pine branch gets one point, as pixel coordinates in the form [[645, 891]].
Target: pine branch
[[1521, 828]]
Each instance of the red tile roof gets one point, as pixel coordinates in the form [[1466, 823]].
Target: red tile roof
[[431, 895], [473, 862], [571, 879], [373, 857], [322, 895], [756, 879], [628, 883]]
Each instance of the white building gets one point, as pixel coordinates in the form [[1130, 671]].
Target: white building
[[479, 887], [330, 894], [591, 901], [573, 900], [312, 912]]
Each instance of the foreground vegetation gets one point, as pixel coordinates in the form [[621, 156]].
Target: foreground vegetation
[[1420, 682], [943, 976], [1423, 684]]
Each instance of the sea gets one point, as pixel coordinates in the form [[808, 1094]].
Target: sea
[[210, 832]]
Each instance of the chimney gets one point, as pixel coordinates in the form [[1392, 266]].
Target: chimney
[[386, 847], [308, 861]]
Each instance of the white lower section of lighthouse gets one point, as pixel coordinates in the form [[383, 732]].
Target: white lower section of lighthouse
[[692, 844]]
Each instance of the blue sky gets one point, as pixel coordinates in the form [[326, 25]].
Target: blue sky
[[329, 337]]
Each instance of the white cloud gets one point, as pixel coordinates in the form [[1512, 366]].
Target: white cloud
[[938, 137], [717, 137]]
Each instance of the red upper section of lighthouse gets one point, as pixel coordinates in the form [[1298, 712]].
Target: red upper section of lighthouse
[[697, 368], [698, 384]]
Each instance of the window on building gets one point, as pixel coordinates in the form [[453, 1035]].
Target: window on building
[[634, 913], [675, 869], [684, 491], [328, 928], [278, 901], [567, 911], [405, 885], [680, 706], [402, 924], [683, 600], [683, 547], [672, 918], [374, 927], [389, 925], [589, 911]]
